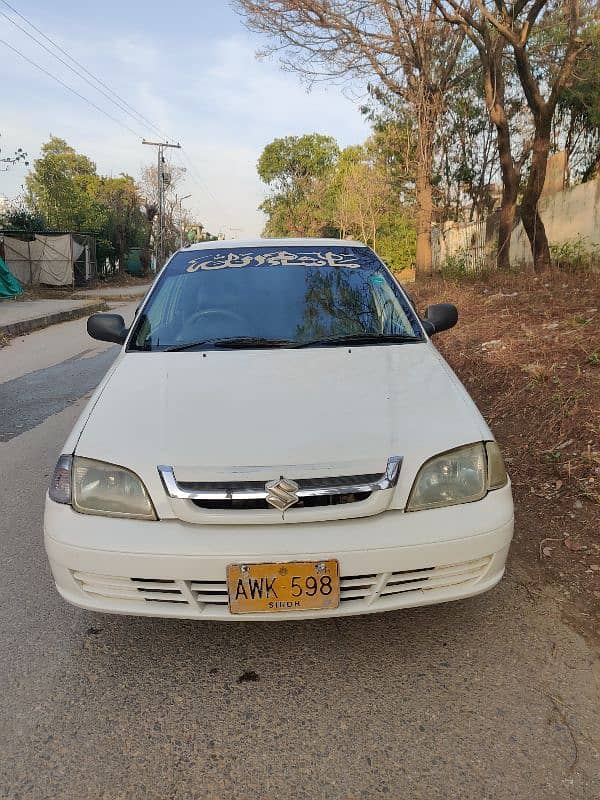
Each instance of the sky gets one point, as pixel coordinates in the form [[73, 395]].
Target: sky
[[191, 69]]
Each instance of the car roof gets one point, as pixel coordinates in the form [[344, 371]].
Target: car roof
[[225, 243]]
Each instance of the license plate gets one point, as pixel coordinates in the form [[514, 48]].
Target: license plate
[[291, 586]]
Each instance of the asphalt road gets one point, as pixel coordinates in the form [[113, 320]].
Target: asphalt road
[[493, 697]]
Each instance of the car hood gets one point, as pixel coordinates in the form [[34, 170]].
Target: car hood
[[325, 411]]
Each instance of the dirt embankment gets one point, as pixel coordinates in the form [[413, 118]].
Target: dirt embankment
[[528, 351]]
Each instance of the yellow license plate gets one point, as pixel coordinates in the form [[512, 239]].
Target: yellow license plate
[[292, 586]]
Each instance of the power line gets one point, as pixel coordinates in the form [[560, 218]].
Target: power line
[[70, 89], [65, 63], [201, 183], [119, 101]]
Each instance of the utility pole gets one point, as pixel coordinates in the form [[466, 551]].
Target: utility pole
[[160, 177], [179, 202]]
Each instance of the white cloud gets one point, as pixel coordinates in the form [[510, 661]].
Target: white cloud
[[135, 51]]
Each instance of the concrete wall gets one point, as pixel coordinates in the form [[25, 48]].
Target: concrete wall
[[454, 238], [568, 215]]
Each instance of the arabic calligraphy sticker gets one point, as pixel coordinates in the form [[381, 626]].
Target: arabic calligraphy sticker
[[279, 258]]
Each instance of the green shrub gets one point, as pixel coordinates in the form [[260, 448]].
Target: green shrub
[[459, 268], [575, 255]]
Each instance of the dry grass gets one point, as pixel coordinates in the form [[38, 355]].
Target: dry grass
[[540, 373], [528, 351]]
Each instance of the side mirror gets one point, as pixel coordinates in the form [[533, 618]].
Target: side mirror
[[440, 317], [107, 328]]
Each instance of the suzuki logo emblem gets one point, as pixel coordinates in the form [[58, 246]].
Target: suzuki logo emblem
[[282, 494]]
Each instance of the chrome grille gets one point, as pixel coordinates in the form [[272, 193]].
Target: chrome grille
[[306, 502], [311, 492]]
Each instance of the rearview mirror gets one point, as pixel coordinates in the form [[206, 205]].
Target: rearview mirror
[[107, 328], [440, 317]]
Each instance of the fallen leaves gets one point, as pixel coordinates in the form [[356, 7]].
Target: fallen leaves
[[574, 547], [537, 382]]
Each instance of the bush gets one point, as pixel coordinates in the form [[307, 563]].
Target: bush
[[397, 243], [19, 218], [575, 255], [459, 268]]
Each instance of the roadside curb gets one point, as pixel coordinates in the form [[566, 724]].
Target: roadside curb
[[36, 323], [114, 298], [114, 293]]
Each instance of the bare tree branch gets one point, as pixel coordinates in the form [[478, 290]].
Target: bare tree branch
[[405, 44]]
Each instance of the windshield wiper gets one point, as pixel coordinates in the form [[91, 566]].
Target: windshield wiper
[[250, 342], [239, 342], [234, 342], [187, 345], [361, 338]]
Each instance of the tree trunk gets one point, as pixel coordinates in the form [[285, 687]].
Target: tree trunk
[[122, 252], [145, 261], [146, 252], [508, 207], [532, 222], [494, 86], [424, 261]]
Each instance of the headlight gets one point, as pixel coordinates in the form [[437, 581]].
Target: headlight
[[94, 487], [60, 485], [497, 476], [458, 476], [100, 488]]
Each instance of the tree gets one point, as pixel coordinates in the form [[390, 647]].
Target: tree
[[289, 165], [491, 47], [7, 161], [319, 191], [19, 218], [293, 167], [562, 52], [149, 212], [371, 200], [577, 121], [363, 196], [124, 226], [65, 190], [545, 40], [63, 187], [477, 149], [403, 45], [148, 187]]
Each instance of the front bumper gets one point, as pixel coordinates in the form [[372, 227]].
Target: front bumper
[[174, 569]]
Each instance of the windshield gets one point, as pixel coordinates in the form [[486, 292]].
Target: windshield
[[271, 296]]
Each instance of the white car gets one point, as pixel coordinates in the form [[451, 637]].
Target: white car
[[277, 439]]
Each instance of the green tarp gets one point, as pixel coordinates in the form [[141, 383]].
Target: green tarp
[[9, 285], [134, 264]]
